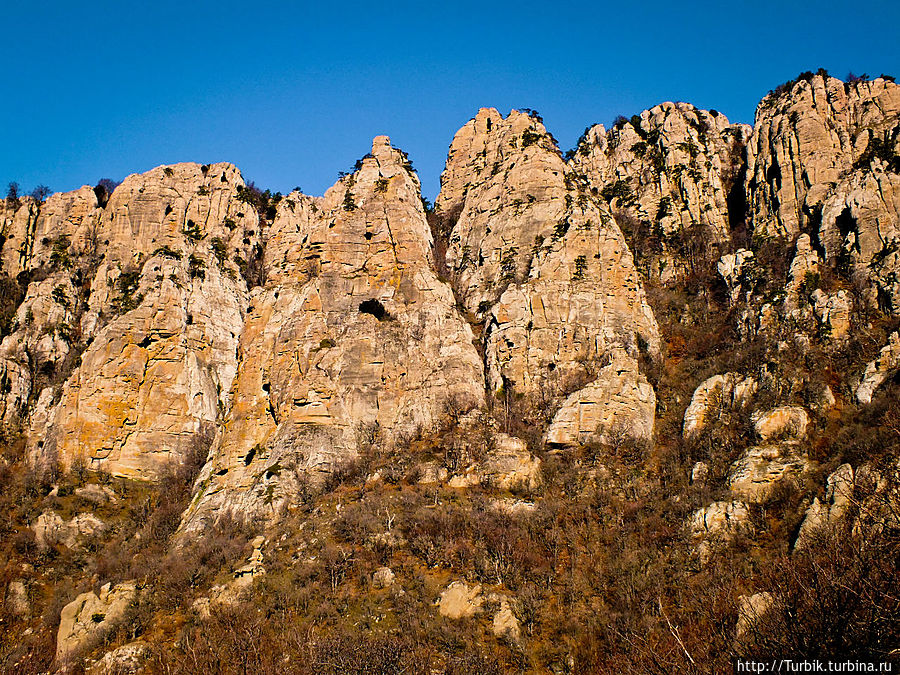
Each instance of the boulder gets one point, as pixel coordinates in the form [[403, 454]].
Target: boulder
[[784, 422], [90, 616], [717, 394], [505, 624], [460, 600], [760, 468]]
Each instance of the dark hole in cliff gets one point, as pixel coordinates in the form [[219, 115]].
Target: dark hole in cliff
[[249, 456], [488, 125], [168, 209], [145, 342], [204, 169], [266, 387], [374, 308], [223, 178], [190, 319], [368, 235], [845, 222]]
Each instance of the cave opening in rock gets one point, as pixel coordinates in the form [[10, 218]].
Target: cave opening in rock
[[375, 308]]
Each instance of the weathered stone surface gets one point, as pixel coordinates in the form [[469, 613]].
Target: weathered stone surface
[[804, 268], [460, 600], [751, 608], [715, 395], [89, 616], [352, 337], [731, 267], [787, 422], [755, 474], [620, 404], [124, 660], [383, 577], [670, 169], [165, 315], [504, 187], [832, 311], [505, 623], [720, 518], [717, 524], [879, 370], [50, 529], [838, 494], [18, 223], [583, 297], [806, 140], [509, 464]]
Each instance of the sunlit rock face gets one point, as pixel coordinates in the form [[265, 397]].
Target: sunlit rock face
[[352, 338], [126, 344], [825, 161], [540, 260], [673, 175]]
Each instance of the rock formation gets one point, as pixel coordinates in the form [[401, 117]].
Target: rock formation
[[89, 616], [542, 260], [823, 160], [161, 321], [673, 173], [352, 338]]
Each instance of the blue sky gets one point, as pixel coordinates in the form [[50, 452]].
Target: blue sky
[[292, 93]]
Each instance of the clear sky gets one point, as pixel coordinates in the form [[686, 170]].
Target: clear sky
[[292, 93]]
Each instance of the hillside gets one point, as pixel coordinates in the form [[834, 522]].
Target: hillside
[[632, 407]]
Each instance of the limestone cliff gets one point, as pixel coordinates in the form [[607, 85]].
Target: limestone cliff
[[672, 173], [808, 136], [130, 339], [533, 250], [353, 338]]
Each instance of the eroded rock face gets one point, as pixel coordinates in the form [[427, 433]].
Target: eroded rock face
[[18, 222], [50, 529], [353, 337], [717, 524], [619, 405], [504, 190], [89, 616], [760, 468], [825, 157], [838, 494], [460, 600], [542, 260], [671, 171], [716, 394], [879, 370], [582, 299], [806, 140], [164, 315], [781, 422]]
